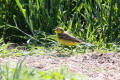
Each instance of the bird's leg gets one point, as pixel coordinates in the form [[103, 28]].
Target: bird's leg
[[71, 50]]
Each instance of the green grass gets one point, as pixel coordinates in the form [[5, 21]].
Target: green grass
[[21, 72], [9, 50], [94, 21]]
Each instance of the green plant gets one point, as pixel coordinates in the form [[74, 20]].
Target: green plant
[[95, 21]]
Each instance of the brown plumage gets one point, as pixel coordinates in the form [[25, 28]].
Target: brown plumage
[[66, 36]]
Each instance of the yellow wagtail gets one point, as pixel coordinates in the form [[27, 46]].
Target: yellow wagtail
[[65, 39]]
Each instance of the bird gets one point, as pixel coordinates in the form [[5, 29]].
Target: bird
[[65, 38]]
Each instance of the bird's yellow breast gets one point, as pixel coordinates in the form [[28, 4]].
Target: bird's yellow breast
[[67, 42]]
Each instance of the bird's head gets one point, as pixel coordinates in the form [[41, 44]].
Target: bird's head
[[59, 30]]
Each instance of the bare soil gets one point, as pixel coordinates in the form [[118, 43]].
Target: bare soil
[[95, 65]]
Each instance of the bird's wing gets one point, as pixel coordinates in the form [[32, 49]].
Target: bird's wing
[[66, 36]]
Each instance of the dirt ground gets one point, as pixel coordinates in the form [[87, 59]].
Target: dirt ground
[[95, 65]]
